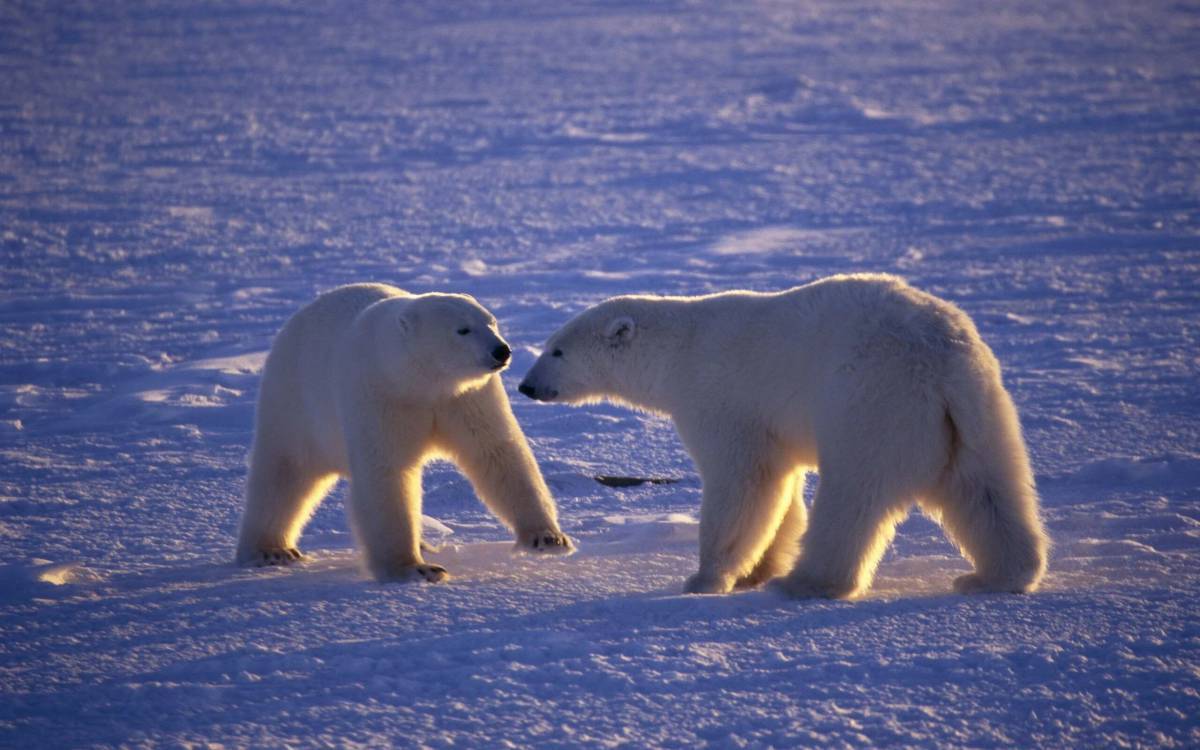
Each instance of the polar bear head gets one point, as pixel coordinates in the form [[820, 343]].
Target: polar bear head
[[599, 354], [437, 344]]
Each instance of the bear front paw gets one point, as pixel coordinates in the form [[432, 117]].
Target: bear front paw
[[431, 573], [973, 583], [799, 588], [707, 583], [419, 572], [757, 578], [271, 557], [545, 542]]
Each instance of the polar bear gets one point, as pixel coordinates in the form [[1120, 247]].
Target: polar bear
[[887, 391], [368, 382]]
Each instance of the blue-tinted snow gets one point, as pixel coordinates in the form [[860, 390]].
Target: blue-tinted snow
[[175, 179]]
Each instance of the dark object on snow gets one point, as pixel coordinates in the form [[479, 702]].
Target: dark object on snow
[[611, 481]]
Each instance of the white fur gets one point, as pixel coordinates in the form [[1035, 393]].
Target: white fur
[[889, 392], [368, 382]]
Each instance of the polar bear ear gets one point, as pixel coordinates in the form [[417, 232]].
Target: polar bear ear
[[620, 330]]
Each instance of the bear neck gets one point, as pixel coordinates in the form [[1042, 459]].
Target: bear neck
[[658, 360]]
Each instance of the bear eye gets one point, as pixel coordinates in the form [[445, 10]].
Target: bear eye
[[556, 353], [463, 331]]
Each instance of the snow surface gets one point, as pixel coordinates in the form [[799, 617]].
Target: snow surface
[[177, 178]]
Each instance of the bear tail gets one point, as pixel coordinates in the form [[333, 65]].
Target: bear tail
[[987, 499]]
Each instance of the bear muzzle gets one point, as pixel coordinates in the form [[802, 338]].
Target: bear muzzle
[[535, 393], [501, 355]]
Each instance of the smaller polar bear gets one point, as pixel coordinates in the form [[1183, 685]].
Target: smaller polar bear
[[368, 382], [889, 392]]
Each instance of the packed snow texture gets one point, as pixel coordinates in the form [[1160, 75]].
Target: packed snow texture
[[176, 179]]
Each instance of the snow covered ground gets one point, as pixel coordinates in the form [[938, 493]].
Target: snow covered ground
[[177, 178]]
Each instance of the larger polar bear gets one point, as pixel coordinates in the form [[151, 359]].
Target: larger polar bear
[[367, 382], [889, 392]]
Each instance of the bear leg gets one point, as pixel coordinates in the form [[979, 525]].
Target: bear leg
[[746, 497], [781, 555], [478, 430], [385, 511], [851, 527], [999, 532], [280, 496]]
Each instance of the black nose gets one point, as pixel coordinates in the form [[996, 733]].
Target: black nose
[[526, 389], [501, 353]]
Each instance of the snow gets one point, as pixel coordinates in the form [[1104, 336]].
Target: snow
[[176, 179]]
